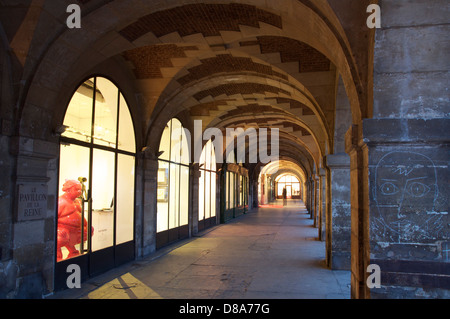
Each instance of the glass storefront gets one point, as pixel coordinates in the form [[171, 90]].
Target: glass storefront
[[235, 189], [207, 187], [97, 177], [173, 185], [291, 184]]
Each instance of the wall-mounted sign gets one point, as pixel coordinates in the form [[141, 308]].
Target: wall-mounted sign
[[31, 202]]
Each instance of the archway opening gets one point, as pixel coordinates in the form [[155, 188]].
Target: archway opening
[[288, 185], [207, 187], [172, 218], [280, 180]]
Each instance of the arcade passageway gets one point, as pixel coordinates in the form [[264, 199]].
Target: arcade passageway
[[150, 123], [270, 253]]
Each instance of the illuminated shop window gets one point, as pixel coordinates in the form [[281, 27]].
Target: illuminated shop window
[[173, 184], [230, 186], [207, 185], [232, 189], [291, 184], [96, 172]]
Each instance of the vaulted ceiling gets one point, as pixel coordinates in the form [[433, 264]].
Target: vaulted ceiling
[[231, 65], [260, 64]]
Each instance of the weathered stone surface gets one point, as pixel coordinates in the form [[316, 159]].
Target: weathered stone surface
[[389, 131], [409, 194], [339, 165], [409, 217]]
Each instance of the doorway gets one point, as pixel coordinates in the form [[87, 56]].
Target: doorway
[[288, 191]]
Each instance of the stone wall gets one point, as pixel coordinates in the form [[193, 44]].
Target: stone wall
[[409, 223], [407, 142]]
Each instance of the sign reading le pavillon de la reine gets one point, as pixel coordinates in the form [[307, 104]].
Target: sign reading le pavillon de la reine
[[32, 202]]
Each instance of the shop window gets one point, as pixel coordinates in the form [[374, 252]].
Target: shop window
[[291, 184], [173, 184], [207, 187], [97, 176]]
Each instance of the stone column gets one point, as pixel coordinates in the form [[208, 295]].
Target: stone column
[[359, 190], [148, 217], [312, 196], [339, 212], [305, 195], [317, 216], [194, 193], [254, 187], [8, 268], [409, 223], [323, 203], [316, 199], [219, 198], [320, 181], [408, 148], [34, 217]]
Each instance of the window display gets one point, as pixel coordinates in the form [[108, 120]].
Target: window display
[[235, 193], [232, 190], [96, 171], [207, 183], [103, 166], [125, 198], [74, 171], [173, 180], [72, 225]]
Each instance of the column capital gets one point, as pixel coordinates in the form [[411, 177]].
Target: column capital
[[340, 160], [30, 147], [322, 172], [391, 131], [354, 138]]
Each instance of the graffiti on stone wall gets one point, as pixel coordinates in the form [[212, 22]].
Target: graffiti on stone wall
[[405, 192]]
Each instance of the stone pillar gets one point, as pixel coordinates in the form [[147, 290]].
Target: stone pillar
[[254, 187], [305, 194], [317, 216], [409, 222], [34, 217], [194, 193], [316, 199], [408, 149], [148, 217], [322, 199], [219, 198], [8, 268], [339, 212], [359, 190], [312, 196], [306, 198]]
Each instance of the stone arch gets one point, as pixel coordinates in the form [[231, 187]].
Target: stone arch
[[104, 21]]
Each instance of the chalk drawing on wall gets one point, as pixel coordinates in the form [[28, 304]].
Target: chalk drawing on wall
[[405, 192]]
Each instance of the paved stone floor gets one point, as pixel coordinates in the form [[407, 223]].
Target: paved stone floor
[[270, 253]]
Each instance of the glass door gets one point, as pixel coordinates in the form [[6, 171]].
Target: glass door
[[288, 191]]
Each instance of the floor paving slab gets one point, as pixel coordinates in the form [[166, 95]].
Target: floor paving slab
[[269, 253]]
